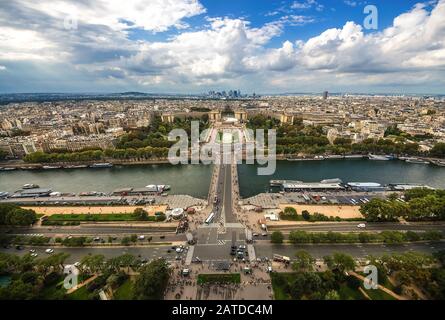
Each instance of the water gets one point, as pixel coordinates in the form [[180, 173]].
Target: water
[[357, 170], [193, 180]]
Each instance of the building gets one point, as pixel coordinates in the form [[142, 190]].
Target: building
[[167, 117], [287, 118], [241, 115], [215, 116], [325, 95]]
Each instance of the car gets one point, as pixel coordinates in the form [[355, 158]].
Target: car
[[255, 234], [97, 239], [49, 251], [361, 226], [169, 250], [269, 269], [162, 237], [34, 255], [141, 237], [264, 234], [178, 258], [32, 251]]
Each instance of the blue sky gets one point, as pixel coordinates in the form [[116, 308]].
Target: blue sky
[[189, 46]]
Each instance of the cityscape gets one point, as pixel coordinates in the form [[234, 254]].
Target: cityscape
[[102, 196]]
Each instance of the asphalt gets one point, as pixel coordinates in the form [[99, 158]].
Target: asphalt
[[215, 252]]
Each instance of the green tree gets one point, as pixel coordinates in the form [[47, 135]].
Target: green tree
[[277, 237], [340, 261], [303, 262], [152, 281], [140, 214], [332, 295]]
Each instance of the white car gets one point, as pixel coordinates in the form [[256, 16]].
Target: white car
[[49, 251], [32, 251], [361, 226], [179, 250], [34, 255], [141, 237]]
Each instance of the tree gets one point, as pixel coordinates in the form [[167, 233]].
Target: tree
[[152, 281], [277, 237], [438, 150], [304, 261], [306, 215], [305, 285], [340, 261], [332, 295], [3, 155], [140, 214], [93, 263]]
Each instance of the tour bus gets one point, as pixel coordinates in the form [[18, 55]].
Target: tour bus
[[280, 258], [210, 218]]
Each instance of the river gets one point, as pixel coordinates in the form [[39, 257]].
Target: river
[[194, 180], [349, 170]]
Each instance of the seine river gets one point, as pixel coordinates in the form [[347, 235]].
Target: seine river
[[195, 179]]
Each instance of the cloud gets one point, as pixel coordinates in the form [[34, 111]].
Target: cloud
[[35, 46], [2, 68], [307, 4]]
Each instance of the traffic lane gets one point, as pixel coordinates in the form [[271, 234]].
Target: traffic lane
[[76, 254], [230, 217], [318, 251], [207, 235], [377, 226]]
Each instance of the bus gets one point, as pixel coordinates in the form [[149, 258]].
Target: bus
[[210, 218]]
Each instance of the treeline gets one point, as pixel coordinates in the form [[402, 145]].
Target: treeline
[[391, 237], [13, 215], [156, 134], [420, 205], [97, 155], [42, 278], [296, 138]]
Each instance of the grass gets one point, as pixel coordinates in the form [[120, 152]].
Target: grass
[[96, 217], [219, 278], [80, 294], [347, 293], [125, 291]]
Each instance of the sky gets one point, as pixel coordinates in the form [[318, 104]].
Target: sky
[[193, 46]]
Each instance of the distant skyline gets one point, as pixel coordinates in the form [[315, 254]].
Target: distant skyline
[[191, 46]]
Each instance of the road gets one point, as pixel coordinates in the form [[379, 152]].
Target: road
[[222, 252], [380, 226]]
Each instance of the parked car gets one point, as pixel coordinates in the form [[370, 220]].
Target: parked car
[[361, 226], [49, 251]]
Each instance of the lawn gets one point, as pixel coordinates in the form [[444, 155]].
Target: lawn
[[219, 278], [125, 291], [80, 294]]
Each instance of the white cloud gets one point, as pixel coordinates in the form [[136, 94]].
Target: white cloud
[[227, 51], [2, 68]]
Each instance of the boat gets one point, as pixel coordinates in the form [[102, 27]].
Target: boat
[[51, 167], [354, 156], [30, 186], [417, 161], [334, 156], [76, 167], [102, 165], [336, 180], [7, 169], [438, 163], [378, 158]]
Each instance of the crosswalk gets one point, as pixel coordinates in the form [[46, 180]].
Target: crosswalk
[[222, 242], [33, 235]]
